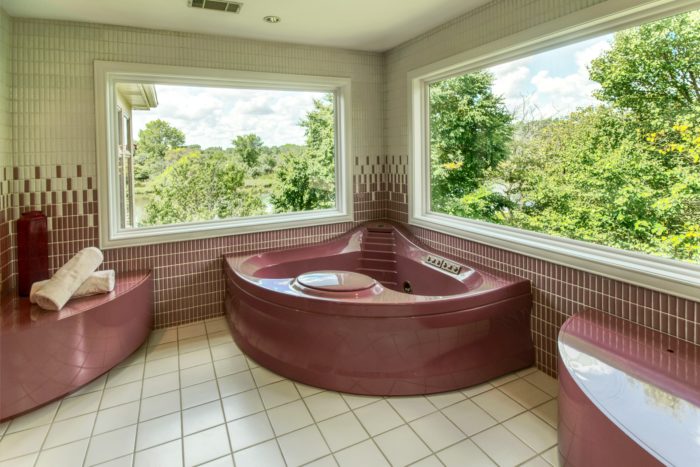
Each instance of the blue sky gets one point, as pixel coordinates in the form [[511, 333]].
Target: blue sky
[[553, 83]]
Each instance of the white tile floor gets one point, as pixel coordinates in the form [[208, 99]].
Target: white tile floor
[[190, 397]]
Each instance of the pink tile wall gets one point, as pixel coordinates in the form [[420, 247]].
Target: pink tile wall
[[188, 275]]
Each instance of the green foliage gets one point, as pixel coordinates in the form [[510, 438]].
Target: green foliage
[[470, 132], [248, 148], [653, 70], [200, 187], [306, 180], [154, 141], [624, 173]]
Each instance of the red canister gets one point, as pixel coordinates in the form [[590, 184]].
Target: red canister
[[32, 250]]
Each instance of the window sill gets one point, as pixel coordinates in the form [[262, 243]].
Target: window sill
[[662, 274], [220, 228]]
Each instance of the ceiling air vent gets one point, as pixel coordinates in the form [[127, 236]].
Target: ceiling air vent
[[218, 5]]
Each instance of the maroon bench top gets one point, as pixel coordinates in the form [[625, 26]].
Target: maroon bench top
[[645, 382], [17, 313]]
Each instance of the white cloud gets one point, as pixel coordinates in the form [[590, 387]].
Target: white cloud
[[215, 116]]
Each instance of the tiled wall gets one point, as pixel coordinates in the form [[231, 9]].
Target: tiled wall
[[7, 263], [54, 139], [558, 291]]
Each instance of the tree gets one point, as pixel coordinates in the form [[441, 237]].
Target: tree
[[155, 140], [652, 70], [470, 129], [200, 187], [248, 148], [306, 180]]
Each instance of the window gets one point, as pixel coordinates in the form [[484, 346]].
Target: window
[[591, 149], [192, 153]]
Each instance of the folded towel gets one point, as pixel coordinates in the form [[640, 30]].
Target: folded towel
[[98, 282], [61, 287]]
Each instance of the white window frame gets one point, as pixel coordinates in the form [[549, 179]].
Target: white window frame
[[107, 74], [666, 275]]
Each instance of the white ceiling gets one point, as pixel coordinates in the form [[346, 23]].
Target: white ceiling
[[375, 25]]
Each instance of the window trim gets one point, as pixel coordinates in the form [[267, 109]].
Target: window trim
[[662, 274], [108, 73]]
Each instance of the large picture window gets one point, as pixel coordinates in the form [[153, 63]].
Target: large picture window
[[219, 152], [596, 142]]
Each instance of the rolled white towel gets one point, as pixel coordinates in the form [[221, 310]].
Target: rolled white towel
[[98, 282], [61, 287]]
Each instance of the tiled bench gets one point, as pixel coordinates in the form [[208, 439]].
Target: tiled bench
[[628, 395], [45, 355]]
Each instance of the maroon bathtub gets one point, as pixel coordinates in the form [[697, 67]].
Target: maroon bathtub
[[629, 396], [45, 355], [372, 312]]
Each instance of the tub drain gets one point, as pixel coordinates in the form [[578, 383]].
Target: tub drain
[[407, 287]]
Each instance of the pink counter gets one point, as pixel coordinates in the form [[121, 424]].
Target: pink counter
[[45, 355], [629, 396]]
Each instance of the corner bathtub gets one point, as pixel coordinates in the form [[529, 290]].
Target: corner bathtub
[[371, 312]]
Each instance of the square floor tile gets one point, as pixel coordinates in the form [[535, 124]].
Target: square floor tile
[[289, 417], [401, 446], [138, 356], [124, 461], [116, 417], [79, 405], [196, 375], [279, 393], [242, 405], [544, 382], [494, 441], [68, 455], [192, 344], [307, 391], [22, 442], [198, 357], [161, 366], [536, 433], [526, 371], [503, 379], [263, 376], [236, 383], [123, 375], [302, 446], [110, 445], [498, 405], [327, 461], [411, 408], [455, 456], [161, 351], [220, 338], [355, 401], [162, 336], [378, 417], [165, 455], [95, 385], [525, 393], [38, 417], [437, 431], [551, 456], [72, 429], [226, 461], [160, 405], [230, 365], [187, 331], [469, 417], [445, 399], [158, 431], [121, 395], [548, 412], [342, 431], [160, 384], [24, 461], [225, 351], [250, 430], [431, 461], [199, 394], [265, 454], [206, 445], [326, 405], [202, 417], [536, 462], [216, 325], [476, 390], [363, 454]]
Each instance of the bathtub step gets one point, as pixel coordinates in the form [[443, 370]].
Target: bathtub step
[[370, 246], [370, 254], [373, 239], [379, 274], [377, 263]]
